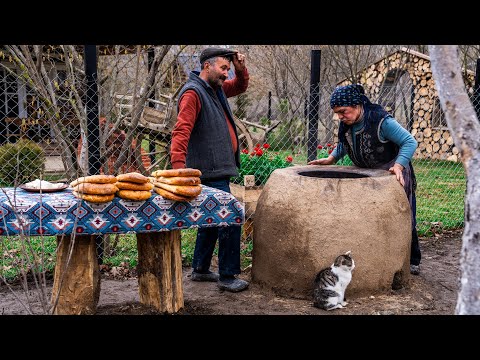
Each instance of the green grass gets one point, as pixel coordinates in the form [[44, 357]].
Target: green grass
[[17, 253], [440, 194], [300, 158]]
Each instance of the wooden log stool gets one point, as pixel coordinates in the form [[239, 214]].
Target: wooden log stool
[[77, 281]]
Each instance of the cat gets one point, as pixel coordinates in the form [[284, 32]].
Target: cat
[[330, 283]]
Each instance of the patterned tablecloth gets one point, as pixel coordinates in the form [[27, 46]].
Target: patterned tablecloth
[[62, 213]]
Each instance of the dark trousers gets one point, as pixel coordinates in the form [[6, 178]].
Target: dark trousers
[[415, 254], [410, 187], [228, 241]]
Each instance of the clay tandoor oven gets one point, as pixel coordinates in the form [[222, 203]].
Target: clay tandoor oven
[[308, 215]]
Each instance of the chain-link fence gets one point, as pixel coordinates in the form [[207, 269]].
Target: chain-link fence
[[45, 131]]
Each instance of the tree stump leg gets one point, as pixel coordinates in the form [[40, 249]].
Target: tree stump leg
[[160, 270], [79, 290]]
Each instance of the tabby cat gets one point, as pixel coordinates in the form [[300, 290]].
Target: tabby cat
[[330, 283]]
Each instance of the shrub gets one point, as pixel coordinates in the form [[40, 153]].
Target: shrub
[[21, 162], [261, 163]]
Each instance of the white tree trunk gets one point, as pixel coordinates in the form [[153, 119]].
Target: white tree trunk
[[465, 128]]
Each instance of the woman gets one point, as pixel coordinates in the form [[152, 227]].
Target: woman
[[374, 139]]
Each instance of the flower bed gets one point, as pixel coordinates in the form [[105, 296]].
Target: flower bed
[[260, 163]]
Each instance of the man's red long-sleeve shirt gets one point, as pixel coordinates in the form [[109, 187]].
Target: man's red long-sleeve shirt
[[189, 108]]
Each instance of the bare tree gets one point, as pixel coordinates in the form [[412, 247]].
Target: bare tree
[[36, 67], [465, 128]]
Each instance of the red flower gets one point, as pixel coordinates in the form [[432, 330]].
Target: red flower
[[266, 146], [320, 147], [289, 158], [245, 151], [330, 151], [259, 152], [329, 144]]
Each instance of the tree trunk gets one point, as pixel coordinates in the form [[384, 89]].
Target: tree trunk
[[160, 270], [77, 280], [465, 129]]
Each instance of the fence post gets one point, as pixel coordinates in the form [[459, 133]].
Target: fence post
[[269, 115], [151, 143], [91, 104], [476, 90], [312, 140], [93, 126]]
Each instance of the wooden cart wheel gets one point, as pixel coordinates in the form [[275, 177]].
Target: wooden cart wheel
[[244, 136]]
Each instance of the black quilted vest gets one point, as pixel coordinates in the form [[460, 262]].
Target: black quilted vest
[[369, 150]]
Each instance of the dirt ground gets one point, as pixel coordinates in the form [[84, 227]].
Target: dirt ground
[[433, 292]]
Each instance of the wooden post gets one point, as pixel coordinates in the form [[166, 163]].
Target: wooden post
[[250, 203], [151, 142], [79, 291], [314, 105], [160, 270]]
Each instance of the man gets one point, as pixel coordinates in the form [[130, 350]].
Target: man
[[205, 138]]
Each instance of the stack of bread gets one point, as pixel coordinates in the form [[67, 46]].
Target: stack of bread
[[177, 184], [134, 186], [95, 188]]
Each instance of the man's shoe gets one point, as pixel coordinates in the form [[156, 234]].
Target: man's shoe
[[210, 276], [232, 285], [415, 269]]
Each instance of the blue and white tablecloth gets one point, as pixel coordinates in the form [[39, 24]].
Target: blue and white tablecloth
[[62, 213]]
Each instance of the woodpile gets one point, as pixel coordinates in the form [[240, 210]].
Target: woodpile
[[434, 139]]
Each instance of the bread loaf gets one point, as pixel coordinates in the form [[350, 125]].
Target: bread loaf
[[177, 172], [95, 179], [133, 177], [126, 185], [168, 195], [134, 195], [96, 189], [94, 198], [184, 190], [179, 180]]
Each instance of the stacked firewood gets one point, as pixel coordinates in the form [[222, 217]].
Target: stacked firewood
[[177, 184]]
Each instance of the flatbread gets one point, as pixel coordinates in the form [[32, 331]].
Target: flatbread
[[95, 179], [179, 180], [134, 195], [168, 195], [126, 185], [133, 177], [96, 189], [183, 190], [94, 198], [177, 172]]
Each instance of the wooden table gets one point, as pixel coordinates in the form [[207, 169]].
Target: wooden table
[[157, 223]]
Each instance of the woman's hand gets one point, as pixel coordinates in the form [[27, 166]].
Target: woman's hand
[[326, 161], [397, 170]]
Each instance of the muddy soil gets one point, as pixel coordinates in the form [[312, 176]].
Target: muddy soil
[[433, 292]]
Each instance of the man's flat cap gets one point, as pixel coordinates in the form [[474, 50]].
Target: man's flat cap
[[214, 52]]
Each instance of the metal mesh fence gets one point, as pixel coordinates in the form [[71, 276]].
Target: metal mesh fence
[[43, 116]]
